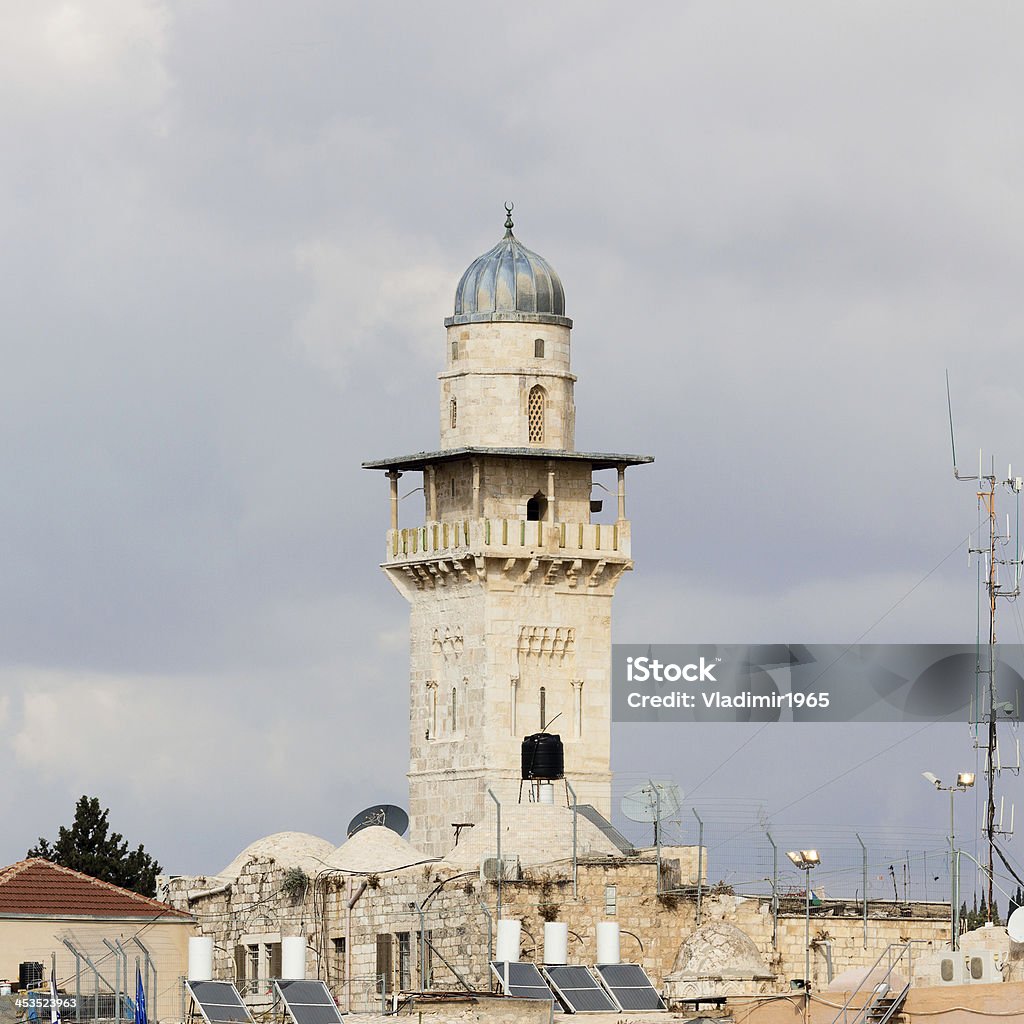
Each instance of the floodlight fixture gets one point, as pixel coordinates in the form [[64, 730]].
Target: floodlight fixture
[[804, 859], [964, 782]]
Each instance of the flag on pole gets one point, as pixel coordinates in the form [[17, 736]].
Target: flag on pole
[[140, 997], [54, 1001]]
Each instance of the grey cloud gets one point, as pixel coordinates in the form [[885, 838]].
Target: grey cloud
[[227, 238]]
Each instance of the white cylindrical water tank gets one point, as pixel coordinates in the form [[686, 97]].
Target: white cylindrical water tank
[[556, 943], [293, 958], [609, 945], [509, 935], [545, 793], [200, 958]]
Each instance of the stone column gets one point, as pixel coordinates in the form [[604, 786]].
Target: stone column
[[393, 476], [430, 486], [622, 491], [577, 708], [551, 492]]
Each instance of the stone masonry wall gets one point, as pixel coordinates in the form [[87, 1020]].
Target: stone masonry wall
[[459, 912], [490, 380]]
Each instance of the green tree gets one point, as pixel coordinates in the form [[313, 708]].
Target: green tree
[[90, 847]]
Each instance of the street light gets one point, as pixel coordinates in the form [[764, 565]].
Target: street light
[[806, 860], [964, 781]]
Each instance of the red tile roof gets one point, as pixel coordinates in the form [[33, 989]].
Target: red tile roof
[[37, 886]]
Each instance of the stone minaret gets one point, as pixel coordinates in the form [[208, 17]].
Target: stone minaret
[[510, 582]]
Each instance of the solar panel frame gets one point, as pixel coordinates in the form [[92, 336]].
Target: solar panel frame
[[227, 1008], [636, 992], [578, 991], [307, 1002], [519, 988]]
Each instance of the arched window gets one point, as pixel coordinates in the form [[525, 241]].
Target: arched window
[[455, 710], [543, 708], [454, 408], [535, 414], [455, 348], [538, 348], [536, 508]]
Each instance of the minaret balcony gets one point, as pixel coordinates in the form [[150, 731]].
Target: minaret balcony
[[510, 538]]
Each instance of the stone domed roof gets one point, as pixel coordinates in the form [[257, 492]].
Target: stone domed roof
[[287, 849], [510, 282], [375, 850], [720, 950]]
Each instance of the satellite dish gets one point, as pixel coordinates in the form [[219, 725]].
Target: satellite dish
[[388, 815], [645, 802], [1015, 926]]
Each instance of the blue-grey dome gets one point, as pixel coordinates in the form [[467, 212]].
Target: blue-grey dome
[[510, 282]]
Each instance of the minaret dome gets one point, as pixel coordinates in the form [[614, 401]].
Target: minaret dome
[[511, 283]]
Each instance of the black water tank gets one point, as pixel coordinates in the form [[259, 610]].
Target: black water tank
[[543, 756]]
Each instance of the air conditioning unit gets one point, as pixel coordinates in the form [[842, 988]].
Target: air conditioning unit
[[506, 868], [983, 967], [951, 969]]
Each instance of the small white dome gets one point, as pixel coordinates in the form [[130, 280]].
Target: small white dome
[[375, 850], [287, 849]]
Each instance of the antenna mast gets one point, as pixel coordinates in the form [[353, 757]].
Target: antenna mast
[[1001, 548]]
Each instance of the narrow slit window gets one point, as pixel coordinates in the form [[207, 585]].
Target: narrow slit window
[[535, 414], [455, 710], [454, 408], [610, 900], [538, 348], [455, 349], [543, 708]]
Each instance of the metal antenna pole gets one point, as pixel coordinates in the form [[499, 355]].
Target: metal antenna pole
[[864, 882], [986, 663], [700, 861], [497, 804], [575, 841]]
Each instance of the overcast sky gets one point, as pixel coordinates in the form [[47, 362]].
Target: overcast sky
[[231, 233]]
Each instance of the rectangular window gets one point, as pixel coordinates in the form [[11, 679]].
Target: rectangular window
[[384, 964], [404, 962], [427, 979], [271, 962], [252, 971], [610, 900], [339, 960]]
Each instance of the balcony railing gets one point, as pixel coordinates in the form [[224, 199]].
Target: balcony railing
[[509, 537]]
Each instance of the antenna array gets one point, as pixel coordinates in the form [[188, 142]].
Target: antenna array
[[1000, 550]]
